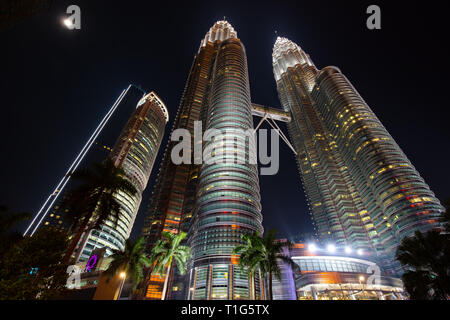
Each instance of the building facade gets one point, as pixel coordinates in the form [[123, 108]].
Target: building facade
[[135, 151], [325, 275], [361, 188], [228, 200], [214, 203], [173, 198]]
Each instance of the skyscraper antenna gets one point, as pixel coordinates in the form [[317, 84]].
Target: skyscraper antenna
[[224, 18]]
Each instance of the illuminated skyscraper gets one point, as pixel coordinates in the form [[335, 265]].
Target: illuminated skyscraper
[[361, 188], [135, 151], [228, 200], [215, 203], [173, 198]]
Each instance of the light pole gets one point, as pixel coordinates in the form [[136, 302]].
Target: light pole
[[122, 276]]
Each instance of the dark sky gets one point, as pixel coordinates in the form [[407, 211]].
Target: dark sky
[[56, 84]]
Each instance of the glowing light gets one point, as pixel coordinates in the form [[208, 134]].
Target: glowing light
[[361, 278], [312, 247], [68, 23], [331, 248], [91, 263], [360, 252], [348, 250], [123, 275]]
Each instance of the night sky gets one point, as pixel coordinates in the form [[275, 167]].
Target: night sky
[[56, 84]]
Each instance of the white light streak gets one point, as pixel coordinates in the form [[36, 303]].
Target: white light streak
[[75, 163]]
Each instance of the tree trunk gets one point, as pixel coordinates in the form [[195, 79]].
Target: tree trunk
[[76, 239], [82, 228], [252, 286], [166, 281], [270, 286], [144, 284]]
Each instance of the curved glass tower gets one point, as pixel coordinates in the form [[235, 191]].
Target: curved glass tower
[[361, 188], [228, 201], [135, 151], [172, 202]]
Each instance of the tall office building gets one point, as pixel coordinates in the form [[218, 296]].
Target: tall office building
[[135, 151], [215, 203], [228, 200], [173, 198], [361, 188]]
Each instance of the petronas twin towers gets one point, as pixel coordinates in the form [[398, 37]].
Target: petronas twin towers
[[361, 188]]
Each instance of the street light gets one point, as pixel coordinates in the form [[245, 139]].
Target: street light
[[312, 247], [122, 276], [360, 252], [348, 250]]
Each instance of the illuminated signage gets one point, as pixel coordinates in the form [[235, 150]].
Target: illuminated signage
[[34, 270], [92, 262]]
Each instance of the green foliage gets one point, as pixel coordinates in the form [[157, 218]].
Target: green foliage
[[263, 254], [132, 261], [95, 194], [167, 249], [93, 202], [44, 251], [250, 253], [426, 257]]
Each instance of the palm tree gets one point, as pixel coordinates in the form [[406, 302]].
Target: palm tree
[[426, 257], [249, 253], [131, 261], [263, 254], [93, 202], [165, 251]]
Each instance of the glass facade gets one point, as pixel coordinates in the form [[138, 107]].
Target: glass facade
[[215, 204], [135, 151], [228, 200], [361, 188], [333, 277], [173, 198]]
